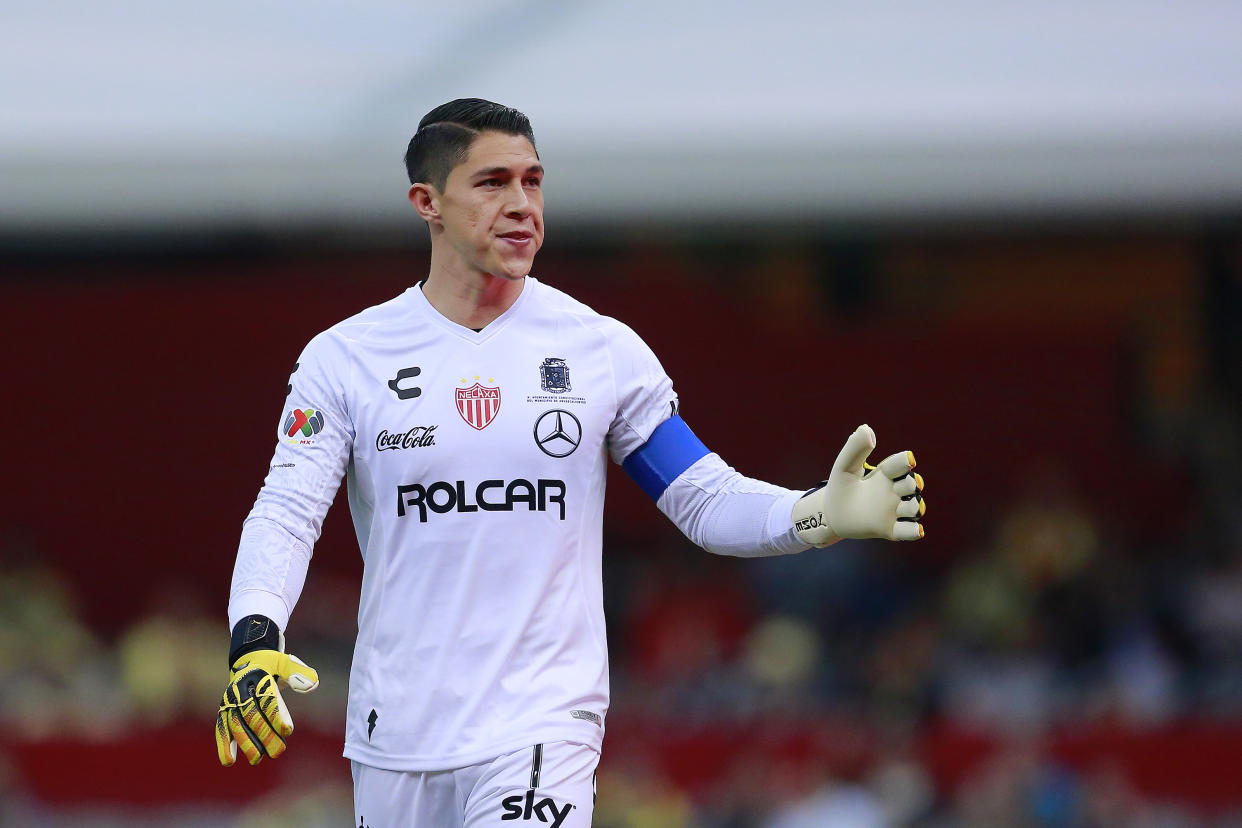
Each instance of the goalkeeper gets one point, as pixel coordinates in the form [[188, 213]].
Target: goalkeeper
[[475, 414]]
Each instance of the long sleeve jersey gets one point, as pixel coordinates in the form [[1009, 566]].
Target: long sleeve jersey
[[475, 465]]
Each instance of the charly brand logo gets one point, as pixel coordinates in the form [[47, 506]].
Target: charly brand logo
[[554, 376], [409, 392], [525, 807], [416, 437], [478, 404], [558, 433], [308, 423]]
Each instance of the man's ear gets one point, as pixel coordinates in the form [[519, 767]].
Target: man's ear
[[426, 201]]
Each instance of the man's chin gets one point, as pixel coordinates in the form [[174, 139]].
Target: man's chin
[[512, 269]]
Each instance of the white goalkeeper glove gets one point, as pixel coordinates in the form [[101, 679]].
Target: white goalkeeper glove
[[863, 501], [252, 713]]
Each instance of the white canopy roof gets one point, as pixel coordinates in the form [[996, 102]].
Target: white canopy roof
[[149, 114]]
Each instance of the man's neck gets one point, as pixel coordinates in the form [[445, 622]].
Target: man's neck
[[473, 300]]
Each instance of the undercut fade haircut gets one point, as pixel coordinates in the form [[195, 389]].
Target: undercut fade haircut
[[445, 134]]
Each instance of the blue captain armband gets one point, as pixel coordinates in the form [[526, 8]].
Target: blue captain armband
[[671, 449]]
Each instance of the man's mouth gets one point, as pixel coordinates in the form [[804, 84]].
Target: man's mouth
[[519, 239]]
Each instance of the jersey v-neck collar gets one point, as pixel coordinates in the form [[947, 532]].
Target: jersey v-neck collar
[[469, 334]]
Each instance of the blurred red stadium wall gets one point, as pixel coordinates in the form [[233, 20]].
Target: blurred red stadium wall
[[148, 395]]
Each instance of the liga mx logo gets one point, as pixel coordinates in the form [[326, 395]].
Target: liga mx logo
[[301, 426], [309, 422], [478, 405], [554, 376]]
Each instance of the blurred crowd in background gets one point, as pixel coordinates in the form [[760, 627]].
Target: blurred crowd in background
[[1067, 664]]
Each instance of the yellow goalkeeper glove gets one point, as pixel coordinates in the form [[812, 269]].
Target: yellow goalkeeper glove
[[859, 500], [252, 713]]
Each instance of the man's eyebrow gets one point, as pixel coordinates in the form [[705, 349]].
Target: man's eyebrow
[[533, 168]]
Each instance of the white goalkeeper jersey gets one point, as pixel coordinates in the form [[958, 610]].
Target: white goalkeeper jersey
[[476, 464]]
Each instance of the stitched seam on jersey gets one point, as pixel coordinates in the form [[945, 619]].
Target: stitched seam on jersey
[[350, 356], [419, 763], [581, 319], [612, 376], [597, 629]]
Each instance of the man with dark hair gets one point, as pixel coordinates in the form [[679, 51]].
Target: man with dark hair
[[474, 415], [445, 134]]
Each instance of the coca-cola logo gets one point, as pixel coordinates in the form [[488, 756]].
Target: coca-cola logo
[[416, 437]]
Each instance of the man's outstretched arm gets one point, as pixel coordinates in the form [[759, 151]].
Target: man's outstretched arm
[[730, 514]]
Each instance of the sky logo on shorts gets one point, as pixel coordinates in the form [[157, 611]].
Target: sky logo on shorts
[[527, 807], [478, 404], [308, 423]]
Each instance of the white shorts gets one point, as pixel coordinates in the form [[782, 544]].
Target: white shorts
[[549, 786]]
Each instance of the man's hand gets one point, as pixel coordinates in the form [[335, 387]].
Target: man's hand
[[252, 713], [863, 501]]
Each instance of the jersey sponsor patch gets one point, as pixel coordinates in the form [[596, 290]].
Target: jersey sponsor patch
[[489, 496], [301, 425], [415, 437], [558, 433]]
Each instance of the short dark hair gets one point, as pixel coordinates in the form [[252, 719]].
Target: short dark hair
[[445, 134]]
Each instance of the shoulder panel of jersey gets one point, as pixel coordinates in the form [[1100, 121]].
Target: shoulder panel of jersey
[[644, 393]]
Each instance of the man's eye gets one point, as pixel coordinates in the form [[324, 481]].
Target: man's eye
[[490, 182], [533, 182]]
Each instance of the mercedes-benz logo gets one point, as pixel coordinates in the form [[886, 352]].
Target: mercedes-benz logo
[[557, 433]]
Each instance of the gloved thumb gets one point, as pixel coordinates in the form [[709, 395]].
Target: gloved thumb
[[295, 672], [855, 451]]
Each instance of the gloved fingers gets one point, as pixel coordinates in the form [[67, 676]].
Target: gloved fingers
[[249, 725], [896, 465], [226, 747], [907, 530], [274, 710], [855, 451], [911, 507], [266, 737], [918, 481], [905, 486], [263, 716], [299, 675], [245, 738]]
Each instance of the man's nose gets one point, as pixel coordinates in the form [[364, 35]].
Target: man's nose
[[518, 202]]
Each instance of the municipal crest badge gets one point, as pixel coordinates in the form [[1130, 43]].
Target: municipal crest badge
[[554, 376], [478, 405]]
